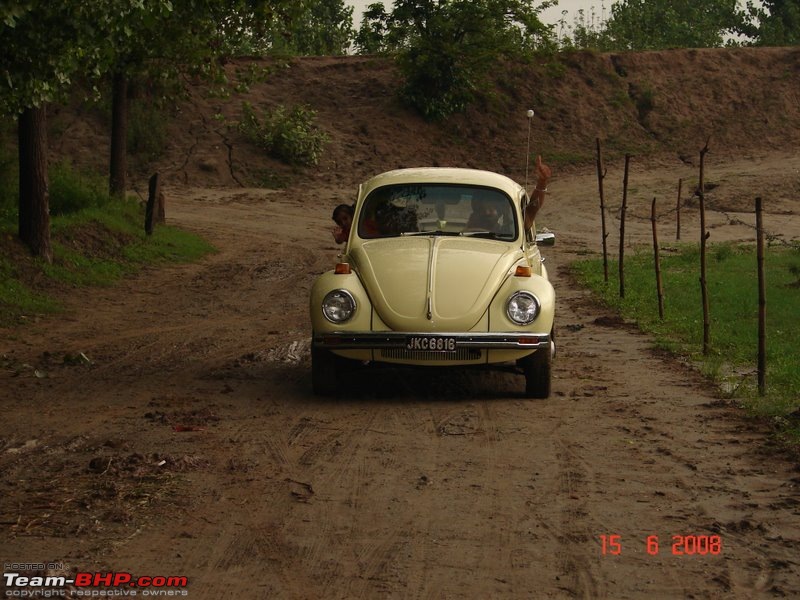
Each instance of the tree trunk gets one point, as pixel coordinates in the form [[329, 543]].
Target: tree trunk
[[119, 136], [34, 195]]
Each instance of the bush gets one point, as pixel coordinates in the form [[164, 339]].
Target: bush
[[9, 187], [289, 135], [437, 83], [71, 192]]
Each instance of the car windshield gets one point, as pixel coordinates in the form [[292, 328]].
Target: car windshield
[[437, 209]]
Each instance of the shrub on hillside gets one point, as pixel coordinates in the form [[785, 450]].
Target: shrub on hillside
[[71, 191], [288, 134]]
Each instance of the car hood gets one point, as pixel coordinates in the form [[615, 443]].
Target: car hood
[[433, 283]]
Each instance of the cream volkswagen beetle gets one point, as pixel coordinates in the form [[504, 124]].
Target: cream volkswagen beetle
[[438, 271]]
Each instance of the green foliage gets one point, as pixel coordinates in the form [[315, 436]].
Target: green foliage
[[438, 81], [772, 22], [300, 27], [371, 37], [324, 27], [446, 48], [9, 187], [17, 298], [93, 246], [287, 134], [644, 96], [588, 32], [660, 24], [733, 299], [71, 192], [47, 45]]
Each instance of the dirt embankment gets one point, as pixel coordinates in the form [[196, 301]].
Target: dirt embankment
[[662, 104]]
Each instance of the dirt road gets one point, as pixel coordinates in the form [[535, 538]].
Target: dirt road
[[192, 445]]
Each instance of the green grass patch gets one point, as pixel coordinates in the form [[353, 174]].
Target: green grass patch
[[733, 300], [17, 299], [93, 246]]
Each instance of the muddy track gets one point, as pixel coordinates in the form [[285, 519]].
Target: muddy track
[[411, 484]]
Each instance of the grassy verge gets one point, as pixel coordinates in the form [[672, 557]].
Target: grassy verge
[[733, 300], [94, 245]]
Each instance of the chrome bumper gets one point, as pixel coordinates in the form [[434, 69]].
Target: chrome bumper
[[395, 340]]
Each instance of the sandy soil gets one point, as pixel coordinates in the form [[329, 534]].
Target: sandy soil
[[191, 445]]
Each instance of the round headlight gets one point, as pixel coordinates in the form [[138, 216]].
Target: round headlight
[[338, 306], [522, 308]]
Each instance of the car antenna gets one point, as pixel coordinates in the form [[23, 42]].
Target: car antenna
[[528, 152]]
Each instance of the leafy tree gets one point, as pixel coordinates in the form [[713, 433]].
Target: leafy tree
[[587, 32], [660, 24], [447, 47], [45, 45], [309, 28], [772, 23], [325, 27], [132, 37], [372, 36], [197, 35], [173, 38]]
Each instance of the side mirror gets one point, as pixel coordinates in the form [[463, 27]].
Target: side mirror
[[547, 238]]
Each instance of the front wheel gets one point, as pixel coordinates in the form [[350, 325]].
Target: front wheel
[[324, 372], [537, 368]]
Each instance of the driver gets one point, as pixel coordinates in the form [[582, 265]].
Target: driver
[[484, 217]]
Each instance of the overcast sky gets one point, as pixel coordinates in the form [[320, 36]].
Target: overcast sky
[[550, 16]]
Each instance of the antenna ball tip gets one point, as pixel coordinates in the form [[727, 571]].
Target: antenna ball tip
[[530, 114]]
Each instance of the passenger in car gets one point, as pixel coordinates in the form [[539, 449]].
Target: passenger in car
[[343, 217], [484, 217], [543, 174]]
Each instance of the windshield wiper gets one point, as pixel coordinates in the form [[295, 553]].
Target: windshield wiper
[[489, 235], [436, 232]]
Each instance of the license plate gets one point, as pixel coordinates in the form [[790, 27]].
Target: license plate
[[430, 343]]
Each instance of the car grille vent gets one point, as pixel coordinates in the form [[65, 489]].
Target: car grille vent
[[403, 354]]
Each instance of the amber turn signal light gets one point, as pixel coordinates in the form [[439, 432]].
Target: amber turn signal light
[[523, 272], [342, 269]]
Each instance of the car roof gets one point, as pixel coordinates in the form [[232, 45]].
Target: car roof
[[447, 175]]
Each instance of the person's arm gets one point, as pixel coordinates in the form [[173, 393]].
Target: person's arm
[[543, 173]]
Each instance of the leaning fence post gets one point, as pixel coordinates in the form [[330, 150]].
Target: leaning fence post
[[152, 211], [622, 228], [703, 238], [659, 284], [762, 302], [601, 174]]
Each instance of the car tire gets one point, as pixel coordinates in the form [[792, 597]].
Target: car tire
[[324, 372], [537, 368]]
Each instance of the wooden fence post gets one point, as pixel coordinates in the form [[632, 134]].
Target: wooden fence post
[[601, 174], [678, 212], [622, 228], [152, 211], [703, 239], [762, 302], [659, 284]]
